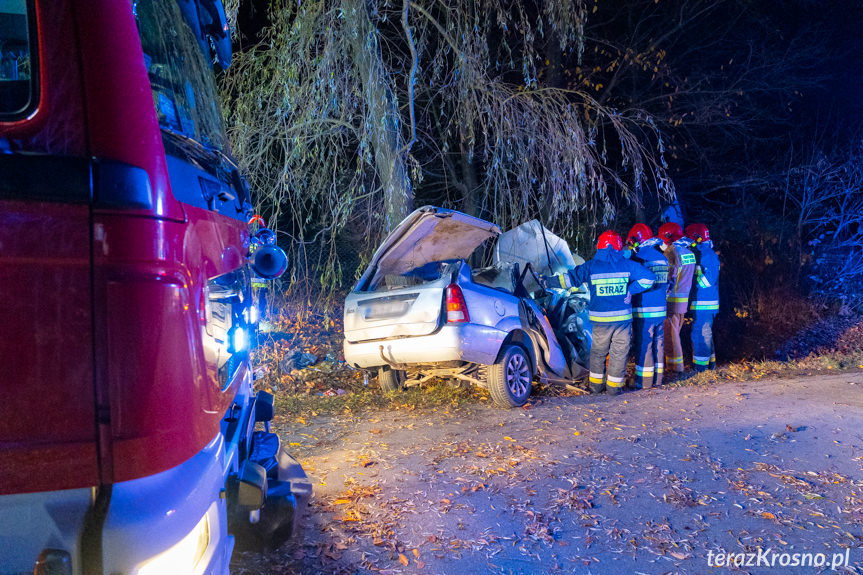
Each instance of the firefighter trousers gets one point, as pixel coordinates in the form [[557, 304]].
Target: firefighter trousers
[[673, 347], [647, 336], [703, 353], [610, 339]]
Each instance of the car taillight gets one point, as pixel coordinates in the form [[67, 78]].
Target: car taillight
[[456, 308]]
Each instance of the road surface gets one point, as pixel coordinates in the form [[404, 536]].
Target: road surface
[[658, 482]]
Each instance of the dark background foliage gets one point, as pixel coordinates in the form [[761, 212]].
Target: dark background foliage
[[750, 109]]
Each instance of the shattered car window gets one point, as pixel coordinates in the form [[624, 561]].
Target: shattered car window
[[424, 274]]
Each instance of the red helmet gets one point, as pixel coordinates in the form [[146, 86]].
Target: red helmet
[[698, 232], [609, 238], [670, 232], [638, 234]]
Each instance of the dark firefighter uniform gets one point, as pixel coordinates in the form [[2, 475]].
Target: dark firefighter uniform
[[704, 305], [612, 280], [649, 310], [681, 269]]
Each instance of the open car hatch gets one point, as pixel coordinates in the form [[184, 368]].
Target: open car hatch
[[401, 293], [428, 235]]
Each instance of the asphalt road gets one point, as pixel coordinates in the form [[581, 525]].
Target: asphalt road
[[657, 482]]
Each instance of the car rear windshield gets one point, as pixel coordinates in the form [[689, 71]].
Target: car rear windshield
[[19, 90], [428, 273], [184, 90]]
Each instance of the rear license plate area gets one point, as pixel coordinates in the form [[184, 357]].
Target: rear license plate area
[[386, 308]]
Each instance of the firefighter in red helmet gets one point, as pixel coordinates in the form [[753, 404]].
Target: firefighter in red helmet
[[681, 269], [648, 308], [612, 280], [704, 303]]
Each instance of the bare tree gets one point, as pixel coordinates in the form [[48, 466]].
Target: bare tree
[[347, 112], [827, 194]]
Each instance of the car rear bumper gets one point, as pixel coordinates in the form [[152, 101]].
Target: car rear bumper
[[468, 342]]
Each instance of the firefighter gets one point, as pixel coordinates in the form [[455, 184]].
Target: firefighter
[[612, 280], [705, 297], [648, 308], [681, 268]]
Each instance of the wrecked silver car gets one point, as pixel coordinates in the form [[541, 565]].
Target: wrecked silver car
[[421, 310]]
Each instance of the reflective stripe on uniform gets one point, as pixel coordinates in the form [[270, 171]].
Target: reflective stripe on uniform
[[609, 316], [702, 279], [615, 381], [706, 305], [610, 275], [564, 281], [645, 283], [701, 359], [643, 370], [675, 360], [678, 297], [608, 281], [657, 311], [651, 314], [596, 377]]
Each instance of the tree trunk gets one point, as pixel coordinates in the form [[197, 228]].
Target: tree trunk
[[471, 204], [383, 118]]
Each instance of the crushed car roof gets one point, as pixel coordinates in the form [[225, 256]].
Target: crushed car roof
[[533, 243]]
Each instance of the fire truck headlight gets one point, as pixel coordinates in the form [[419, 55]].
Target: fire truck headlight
[[184, 557], [238, 340]]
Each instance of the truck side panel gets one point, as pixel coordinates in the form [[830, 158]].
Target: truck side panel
[[47, 427]]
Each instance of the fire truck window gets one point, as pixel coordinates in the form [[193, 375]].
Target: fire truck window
[[18, 78], [184, 91]]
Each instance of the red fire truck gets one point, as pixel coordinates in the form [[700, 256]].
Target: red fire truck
[[131, 441]]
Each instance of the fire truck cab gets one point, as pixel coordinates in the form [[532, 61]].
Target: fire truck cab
[[131, 439]]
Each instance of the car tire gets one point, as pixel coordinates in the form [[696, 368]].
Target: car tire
[[510, 379], [391, 379]]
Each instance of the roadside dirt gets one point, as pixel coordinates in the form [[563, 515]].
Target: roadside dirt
[[649, 482]]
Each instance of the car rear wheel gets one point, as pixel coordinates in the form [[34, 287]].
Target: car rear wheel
[[510, 379], [391, 379]]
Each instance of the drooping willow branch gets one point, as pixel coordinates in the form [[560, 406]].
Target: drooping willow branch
[[316, 108]]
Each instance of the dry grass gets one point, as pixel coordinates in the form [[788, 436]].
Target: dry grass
[[813, 364], [439, 394]]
